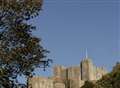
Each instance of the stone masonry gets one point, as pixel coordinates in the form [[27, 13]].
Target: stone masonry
[[69, 77]]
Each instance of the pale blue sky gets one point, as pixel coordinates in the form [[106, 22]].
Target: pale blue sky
[[68, 27]]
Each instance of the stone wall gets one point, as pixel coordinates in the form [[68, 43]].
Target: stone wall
[[74, 72], [59, 71], [59, 85], [99, 72], [71, 77], [87, 70], [40, 82]]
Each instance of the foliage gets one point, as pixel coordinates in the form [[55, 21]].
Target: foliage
[[111, 80], [20, 51], [88, 84]]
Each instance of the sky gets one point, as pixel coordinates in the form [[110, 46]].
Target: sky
[[68, 27]]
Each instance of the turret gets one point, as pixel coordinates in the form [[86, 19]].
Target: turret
[[87, 68], [60, 72]]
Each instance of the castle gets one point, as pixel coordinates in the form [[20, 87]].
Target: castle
[[69, 77]]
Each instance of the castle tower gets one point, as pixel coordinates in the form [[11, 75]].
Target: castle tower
[[40, 82], [60, 72], [57, 71], [74, 72], [99, 72], [74, 76], [87, 68], [59, 76]]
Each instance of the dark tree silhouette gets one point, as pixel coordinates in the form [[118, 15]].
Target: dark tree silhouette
[[20, 51]]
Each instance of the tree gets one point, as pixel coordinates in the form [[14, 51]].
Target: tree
[[88, 84], [20, 51], [110, 80]]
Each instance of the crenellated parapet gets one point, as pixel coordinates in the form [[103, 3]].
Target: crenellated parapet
[[69, 77]]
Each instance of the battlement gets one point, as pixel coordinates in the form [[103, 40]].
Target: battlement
[[72, 77], [40, 82]]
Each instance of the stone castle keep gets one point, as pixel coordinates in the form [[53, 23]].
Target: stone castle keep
[[71, 77]]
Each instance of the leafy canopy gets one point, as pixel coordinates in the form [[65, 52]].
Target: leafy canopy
[[110, 80], [20, 51]]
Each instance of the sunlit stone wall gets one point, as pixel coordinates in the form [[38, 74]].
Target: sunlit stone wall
[[40, 82]]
